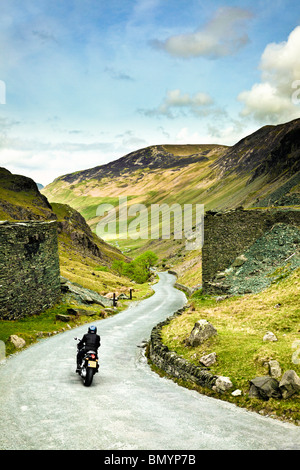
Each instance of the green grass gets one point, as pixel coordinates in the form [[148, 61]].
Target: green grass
[[33, 328], [86, 270], [242, 354], [18, 196]]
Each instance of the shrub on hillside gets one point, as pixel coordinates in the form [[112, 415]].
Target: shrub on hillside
[[139, 269]]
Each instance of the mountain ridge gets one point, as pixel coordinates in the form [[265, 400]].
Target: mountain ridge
[[152, 157], [244, 156]]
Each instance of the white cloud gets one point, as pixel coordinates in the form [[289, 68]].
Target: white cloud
[[223, 35], [223, 132], [43, 161], [185, 136], [272, 98], [129, 140], [177, 103]]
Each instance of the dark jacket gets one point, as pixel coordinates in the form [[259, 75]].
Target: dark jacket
[[90, 341]]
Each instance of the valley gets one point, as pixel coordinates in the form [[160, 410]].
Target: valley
[[259, 175], [260, 170]]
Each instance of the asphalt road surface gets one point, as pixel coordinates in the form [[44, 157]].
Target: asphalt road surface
[[44, 404]]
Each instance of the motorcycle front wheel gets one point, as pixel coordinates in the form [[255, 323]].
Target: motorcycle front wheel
[[89, 377]]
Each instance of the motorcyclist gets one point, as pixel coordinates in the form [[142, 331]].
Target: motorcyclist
[[89, 342]]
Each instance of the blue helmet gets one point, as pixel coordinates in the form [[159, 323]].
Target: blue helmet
[[92, 329]]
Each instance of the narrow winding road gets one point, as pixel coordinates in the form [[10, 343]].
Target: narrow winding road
[[44, 405]]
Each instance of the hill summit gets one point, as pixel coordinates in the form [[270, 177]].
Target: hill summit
[[153, 157]]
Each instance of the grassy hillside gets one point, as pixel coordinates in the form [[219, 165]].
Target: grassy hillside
[[242, 355], [218, 176], [182, 183], [83, 257], [21, 199]]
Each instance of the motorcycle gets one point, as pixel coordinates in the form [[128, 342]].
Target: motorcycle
[[88, 367]]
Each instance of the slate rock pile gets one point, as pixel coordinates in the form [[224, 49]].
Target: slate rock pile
[[273, 256]]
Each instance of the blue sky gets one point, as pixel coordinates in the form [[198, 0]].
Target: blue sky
[[84, 82]]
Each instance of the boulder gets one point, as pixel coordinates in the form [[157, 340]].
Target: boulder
[[61, 317], [123, 296], [73, 311], [237, 393], [209, 359], [17, 341], [83, 295], [239, 261], [222, 384], [110, 295], [77, 312], [269, 336], [201, 332], [289, 384], [274, 369], [264, 387], [110, 310]]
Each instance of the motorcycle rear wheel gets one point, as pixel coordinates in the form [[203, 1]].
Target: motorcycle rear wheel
[[89, 377]]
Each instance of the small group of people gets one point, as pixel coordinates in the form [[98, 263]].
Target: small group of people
[[89, 342]]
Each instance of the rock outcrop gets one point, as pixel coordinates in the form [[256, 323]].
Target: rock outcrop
[[202, 330], [264, 387], [244, 251], [17, 341], [289, 384], [82, 295]]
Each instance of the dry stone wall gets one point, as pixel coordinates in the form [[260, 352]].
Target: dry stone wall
[[30, 277], [174, 365]]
